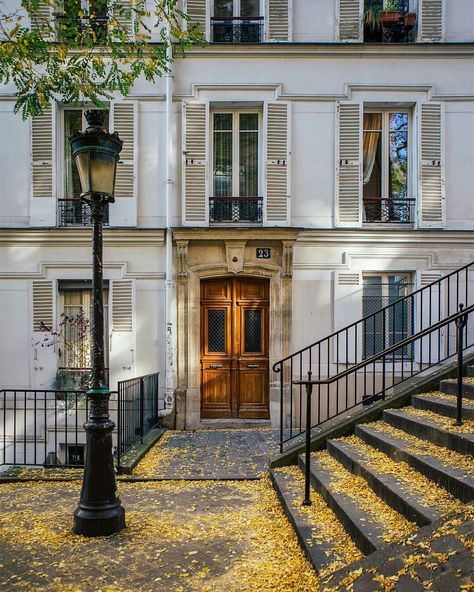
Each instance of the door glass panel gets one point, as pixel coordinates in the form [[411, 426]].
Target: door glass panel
[[253, 330], [248, 155], [222, 173], [216, 330], [398, 166], [223, 8]]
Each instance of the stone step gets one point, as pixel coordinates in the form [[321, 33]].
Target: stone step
[[385, 484], [469, 370], [424, 457], [450, 387], [320, 534], [364, 516], [442, 406], [431, 428]]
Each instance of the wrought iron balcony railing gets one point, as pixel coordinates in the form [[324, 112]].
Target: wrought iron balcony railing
[[399, 210], [239, 29], [235, 209], [74, 212]]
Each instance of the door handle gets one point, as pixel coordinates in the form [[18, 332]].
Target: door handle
[[253, 365], [215, 365]]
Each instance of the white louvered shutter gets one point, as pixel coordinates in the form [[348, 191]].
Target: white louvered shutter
[[122, 306], [430, 26], [124, 16], [350, 20], [349, 165], [277, 143], [124, 118], [41, 20], [43, 153], [431, 190], [278, 19], [196, 10], [195, 140], [43, 305]]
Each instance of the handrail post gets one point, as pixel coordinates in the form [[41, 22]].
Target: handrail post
[[141, 407], [119, 426], [460, 324], [309, 389]]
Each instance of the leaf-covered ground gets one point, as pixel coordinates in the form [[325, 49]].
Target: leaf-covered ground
[[180, 536]]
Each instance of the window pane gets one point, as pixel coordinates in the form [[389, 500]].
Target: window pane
[[98, 8], [223, 8], [72, 123], [373, 327], [248, 155], [398, 164], [222, 168], [249, 7], [372, 159]]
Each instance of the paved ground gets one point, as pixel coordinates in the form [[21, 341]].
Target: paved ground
[[180, 536], [210, 454]]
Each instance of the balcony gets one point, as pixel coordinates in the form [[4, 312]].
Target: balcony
[[73, 212], [394, 210], [234, 210], [230, 29]]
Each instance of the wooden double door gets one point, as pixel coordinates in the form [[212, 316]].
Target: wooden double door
[[234, 348]]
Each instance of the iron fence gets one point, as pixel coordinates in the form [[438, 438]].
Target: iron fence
[[237, 29], [380, 210], [345, 368], [45, 427]]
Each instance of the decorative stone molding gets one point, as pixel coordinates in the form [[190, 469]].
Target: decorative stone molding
[[287, 259], [235, 255], [182, 258]]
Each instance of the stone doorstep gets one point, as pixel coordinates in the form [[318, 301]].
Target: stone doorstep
[[441, 406], [450, 387]]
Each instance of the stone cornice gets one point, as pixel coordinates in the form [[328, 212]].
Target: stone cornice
[[258, 233], [408, 238], [335, 50], [73, 237]]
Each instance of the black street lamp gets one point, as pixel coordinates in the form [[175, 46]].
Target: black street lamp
[[99, 512]]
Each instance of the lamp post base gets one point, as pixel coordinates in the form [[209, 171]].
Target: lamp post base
[[92, 522]]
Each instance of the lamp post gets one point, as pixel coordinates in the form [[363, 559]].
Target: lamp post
[[99, 512]]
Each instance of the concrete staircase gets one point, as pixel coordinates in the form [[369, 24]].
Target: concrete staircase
[[385, 481]]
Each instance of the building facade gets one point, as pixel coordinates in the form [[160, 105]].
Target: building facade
[[298, 172]]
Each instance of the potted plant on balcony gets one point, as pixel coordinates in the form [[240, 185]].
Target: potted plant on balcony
[[390, 16], [372, 17], [409, 20]]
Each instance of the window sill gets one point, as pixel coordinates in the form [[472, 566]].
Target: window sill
[[382, 225]]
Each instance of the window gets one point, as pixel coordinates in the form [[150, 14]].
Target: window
[[235, 167], [386, 167], [75, 455], [395, 27], [75, 327], [237, 21], [72, 212], [388, 327], [87, 18]]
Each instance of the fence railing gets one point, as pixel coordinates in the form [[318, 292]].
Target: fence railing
[[334, 360], [239, 29], [45, 427], [236, 209], [381, 210], [74, 212], [137, 410]]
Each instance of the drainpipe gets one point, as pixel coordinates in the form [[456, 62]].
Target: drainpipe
[[170, 285]]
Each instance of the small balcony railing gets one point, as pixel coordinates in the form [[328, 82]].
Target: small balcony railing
[[236, 209], [400, 210], [230, 29], [74, 212]]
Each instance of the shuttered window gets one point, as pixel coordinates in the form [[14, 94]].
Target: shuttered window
[[195, 126], [43, 154], [279, 23], [41, 20], [431, 166], [122, 305], [350, 20], [124, 122], [430, 27], [348, 165], [277, 156], [43, 305]]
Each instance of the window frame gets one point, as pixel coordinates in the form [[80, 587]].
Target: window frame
[[235, 148], [385, 275]]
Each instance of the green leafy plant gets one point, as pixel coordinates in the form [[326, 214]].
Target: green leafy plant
[[392, 6], [55, 50], [372, 17]]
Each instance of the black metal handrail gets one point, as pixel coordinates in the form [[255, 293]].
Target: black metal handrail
[[236, 209], [459, 319], [237, 29], [45, 427], [389, 210], [344, 350]]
